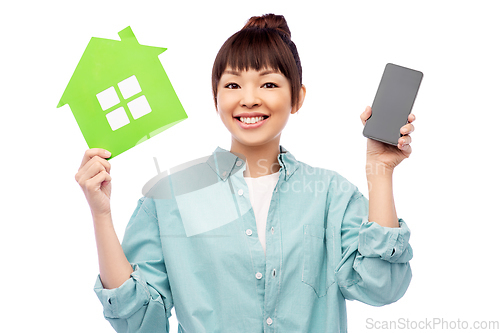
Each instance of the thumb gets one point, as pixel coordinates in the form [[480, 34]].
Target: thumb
[[366, 114]]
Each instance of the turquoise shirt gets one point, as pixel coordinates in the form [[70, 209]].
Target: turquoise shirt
[[193, 244]]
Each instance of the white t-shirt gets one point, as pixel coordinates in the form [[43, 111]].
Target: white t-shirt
[[261, 193]]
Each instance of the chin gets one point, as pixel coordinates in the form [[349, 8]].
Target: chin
[[257, 142]]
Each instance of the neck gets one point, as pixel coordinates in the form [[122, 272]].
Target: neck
[[260, 160]]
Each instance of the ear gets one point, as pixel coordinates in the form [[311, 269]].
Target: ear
[[302, 96]]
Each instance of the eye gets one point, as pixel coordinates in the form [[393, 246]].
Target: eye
[[231, 86], [270, 85]]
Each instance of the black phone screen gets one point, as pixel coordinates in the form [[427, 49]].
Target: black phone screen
[[393, 103]]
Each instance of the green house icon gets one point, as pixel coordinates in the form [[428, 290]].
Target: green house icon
[[120, 94]]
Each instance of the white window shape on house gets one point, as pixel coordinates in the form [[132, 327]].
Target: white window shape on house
[[129, 87], [117, 118], [139, 107], [108, 98]]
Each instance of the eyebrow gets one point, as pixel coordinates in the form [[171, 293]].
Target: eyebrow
[[231, 72], [272, 71], [236, 73]]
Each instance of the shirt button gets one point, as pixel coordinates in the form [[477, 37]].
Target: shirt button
[[269, 321], [258, 275], [240, 191], [272, 230], [238, 163], [224, 174], [249, 232]]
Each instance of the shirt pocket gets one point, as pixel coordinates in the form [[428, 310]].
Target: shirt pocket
[[317, 270]]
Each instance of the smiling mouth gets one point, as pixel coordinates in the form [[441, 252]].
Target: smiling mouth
[[251, 120]]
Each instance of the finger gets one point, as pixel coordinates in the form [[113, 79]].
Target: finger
[[94, 183], [89, 153], [405, 148], [83, 173], [411, 117], [87, 172], [404, 140], [104, 162], [407, 129], [91, 169], [366, 114]]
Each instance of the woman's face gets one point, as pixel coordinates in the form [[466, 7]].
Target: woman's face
[[254, 105]]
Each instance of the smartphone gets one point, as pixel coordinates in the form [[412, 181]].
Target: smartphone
[[393, 102]]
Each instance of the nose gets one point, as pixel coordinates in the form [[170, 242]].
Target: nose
[[250, 98]]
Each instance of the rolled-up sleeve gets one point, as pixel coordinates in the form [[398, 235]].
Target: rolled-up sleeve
[[374, 266], [143, 303]]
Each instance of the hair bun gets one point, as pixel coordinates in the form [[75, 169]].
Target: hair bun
[[269, 21]]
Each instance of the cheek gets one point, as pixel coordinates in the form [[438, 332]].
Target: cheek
[[226, 102], [281, 103]]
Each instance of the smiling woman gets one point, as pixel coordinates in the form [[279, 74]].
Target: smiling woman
[[245, 242], [255, 105], [256, 85]]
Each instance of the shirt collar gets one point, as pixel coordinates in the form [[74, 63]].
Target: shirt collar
[[225, 163]]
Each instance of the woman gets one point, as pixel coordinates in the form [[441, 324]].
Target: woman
[[252, 240]]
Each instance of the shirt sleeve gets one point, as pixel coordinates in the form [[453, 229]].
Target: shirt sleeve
[[374, 266], [143, 303]]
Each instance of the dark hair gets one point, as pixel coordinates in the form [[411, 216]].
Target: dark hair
[[264, 42]]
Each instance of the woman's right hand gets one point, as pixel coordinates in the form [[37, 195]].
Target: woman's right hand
[[95, 181]]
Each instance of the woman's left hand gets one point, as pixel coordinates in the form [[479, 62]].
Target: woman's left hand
[[383, 153]]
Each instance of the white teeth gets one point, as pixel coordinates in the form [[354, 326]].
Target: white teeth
[[251, 120]]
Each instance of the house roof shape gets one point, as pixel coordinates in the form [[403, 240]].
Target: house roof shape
[[120, 94], [105, 62]]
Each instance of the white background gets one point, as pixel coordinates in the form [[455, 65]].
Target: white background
[[447, 191]]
